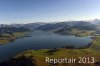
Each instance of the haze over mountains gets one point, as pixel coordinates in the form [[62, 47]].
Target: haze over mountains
[[82, 25], [96, 21]]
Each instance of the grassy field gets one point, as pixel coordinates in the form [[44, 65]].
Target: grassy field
[[40, 55]]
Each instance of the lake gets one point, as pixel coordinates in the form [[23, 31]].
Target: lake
[[41, 40]]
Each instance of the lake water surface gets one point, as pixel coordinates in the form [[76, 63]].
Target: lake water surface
[[41, 40]]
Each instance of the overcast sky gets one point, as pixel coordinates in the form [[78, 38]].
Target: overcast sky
[[28, 11]]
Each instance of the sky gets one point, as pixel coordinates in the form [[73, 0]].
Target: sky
[[29, 11]]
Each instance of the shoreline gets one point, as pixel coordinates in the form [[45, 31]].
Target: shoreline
[[64, 47], [16, 35], [38, 55]]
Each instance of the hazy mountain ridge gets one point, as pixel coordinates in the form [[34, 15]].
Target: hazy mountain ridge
[[96, 21], [82, 25], [11, 30], [74, 24]]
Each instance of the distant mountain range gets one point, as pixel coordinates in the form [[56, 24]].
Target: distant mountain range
[[74, 24], [10, 30], [96, 21], [82, 25], [29, 25]]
